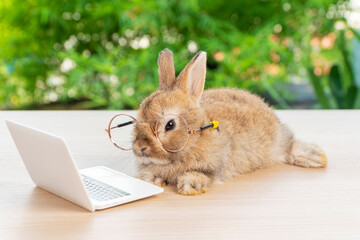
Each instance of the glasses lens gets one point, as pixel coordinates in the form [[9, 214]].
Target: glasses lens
[[172, 132], [121, 131]]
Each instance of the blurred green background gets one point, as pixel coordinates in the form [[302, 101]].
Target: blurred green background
[[82, 54]]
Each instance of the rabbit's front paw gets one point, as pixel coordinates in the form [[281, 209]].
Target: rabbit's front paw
[[193, 183], [159, 181], [151, 178], [147, 176]]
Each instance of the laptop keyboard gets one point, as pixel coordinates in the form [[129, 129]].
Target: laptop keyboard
[[101, 191]]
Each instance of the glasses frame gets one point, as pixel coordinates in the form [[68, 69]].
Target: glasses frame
[[154, 131]]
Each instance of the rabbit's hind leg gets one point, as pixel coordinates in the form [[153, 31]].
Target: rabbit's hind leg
[[307, 155]]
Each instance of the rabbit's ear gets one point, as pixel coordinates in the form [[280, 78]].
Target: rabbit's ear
[[166, 69], [192, 78]]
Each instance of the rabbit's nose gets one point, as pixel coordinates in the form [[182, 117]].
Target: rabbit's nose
[[143, 149]]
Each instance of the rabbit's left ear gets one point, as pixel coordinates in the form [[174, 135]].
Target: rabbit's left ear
[[166, 69], [192, 78]]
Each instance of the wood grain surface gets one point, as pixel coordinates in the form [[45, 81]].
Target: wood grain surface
[[282, 202]]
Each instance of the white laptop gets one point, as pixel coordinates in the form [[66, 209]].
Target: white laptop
[[50, 164]]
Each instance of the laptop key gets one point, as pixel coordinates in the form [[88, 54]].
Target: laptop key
[[102, 191]]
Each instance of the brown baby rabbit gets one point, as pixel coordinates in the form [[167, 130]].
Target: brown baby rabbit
[[249, 135]]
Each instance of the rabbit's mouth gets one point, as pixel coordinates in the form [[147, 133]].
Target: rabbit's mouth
[[146, 156], [146, 160]]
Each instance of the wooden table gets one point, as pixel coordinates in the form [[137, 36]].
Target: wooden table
[[282, 202]]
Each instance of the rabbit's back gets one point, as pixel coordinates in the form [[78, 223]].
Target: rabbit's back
[[249, 124], [238, 107]]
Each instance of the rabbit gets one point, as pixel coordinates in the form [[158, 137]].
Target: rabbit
[[249, 135]]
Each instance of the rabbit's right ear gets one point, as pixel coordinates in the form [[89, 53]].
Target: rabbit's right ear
[[192, 78], [166, 69]]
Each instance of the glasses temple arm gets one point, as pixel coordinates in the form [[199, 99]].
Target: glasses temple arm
[[123, 124], [120, 125], [212, 125]]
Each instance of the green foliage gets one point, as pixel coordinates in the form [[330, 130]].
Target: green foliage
[[103, 53], [344, 91], [319, 90]]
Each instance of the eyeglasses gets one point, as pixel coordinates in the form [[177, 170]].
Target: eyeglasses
[[171, 131]]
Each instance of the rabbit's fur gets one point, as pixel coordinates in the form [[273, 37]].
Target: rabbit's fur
[[249, 136]]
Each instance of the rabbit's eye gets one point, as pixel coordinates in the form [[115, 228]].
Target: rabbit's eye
[[170, 125]]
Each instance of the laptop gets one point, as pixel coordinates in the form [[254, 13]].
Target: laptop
[[50, 164]]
